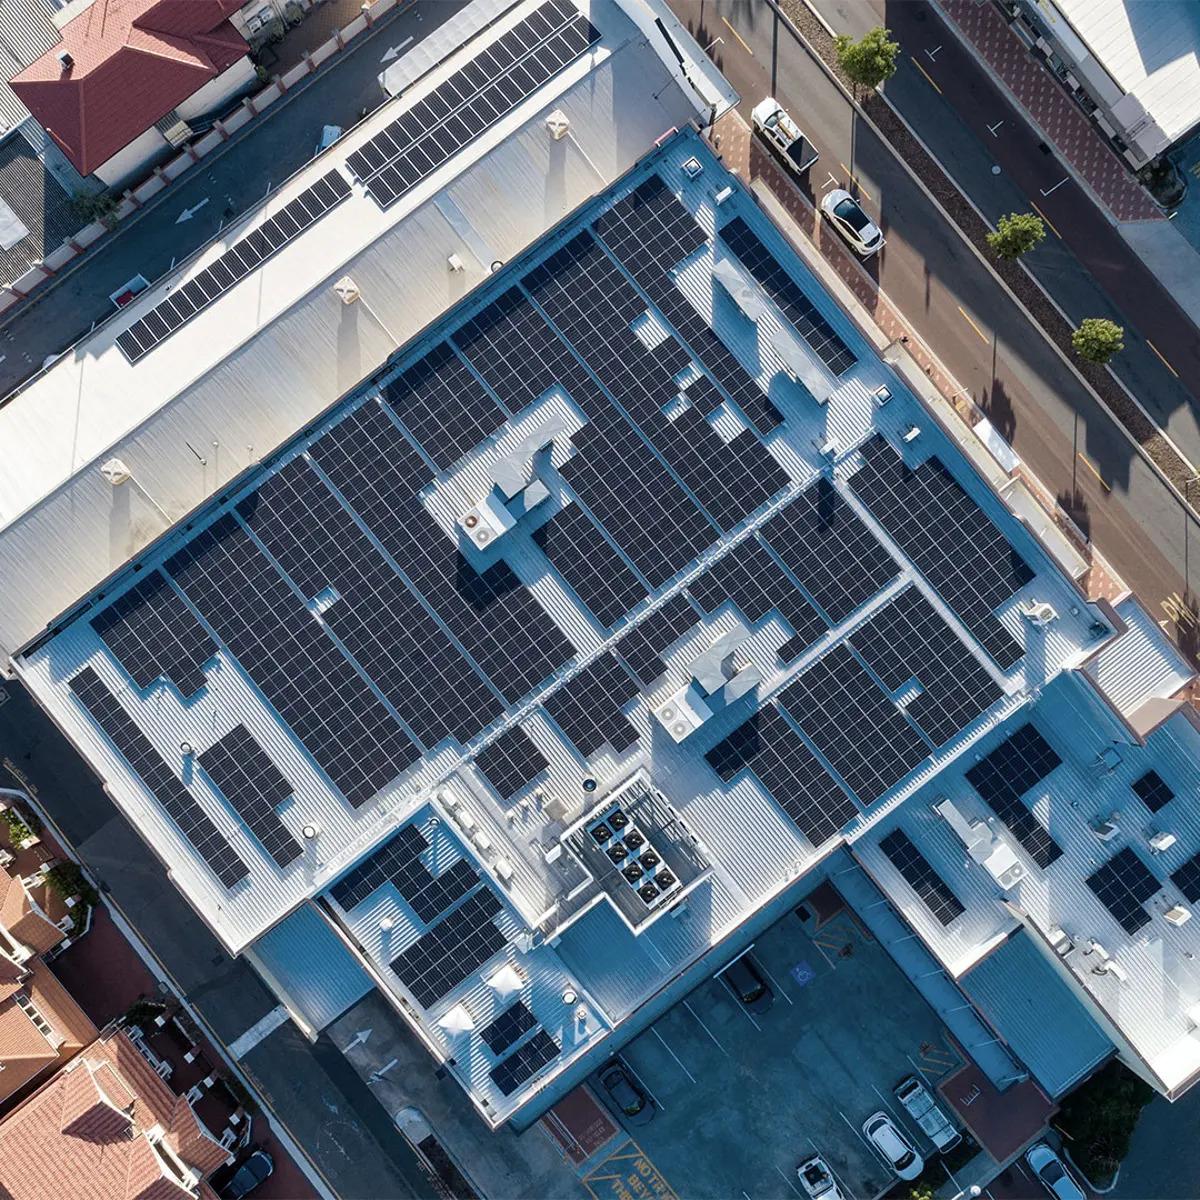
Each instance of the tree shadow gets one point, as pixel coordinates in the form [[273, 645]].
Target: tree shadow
[[998, 407], [1187, 625], [1073, 502], [704, 37]]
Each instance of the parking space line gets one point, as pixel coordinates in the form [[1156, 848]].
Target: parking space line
[[706, 1029], [967, 317], [1158, 355], [854, 180], [858, 1134], [667, 1048], [778, 986], [1045, 218], [786, 1180], [741, 40], [928, 77]]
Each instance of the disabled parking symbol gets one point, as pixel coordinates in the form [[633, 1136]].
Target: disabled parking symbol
[[802, 973]]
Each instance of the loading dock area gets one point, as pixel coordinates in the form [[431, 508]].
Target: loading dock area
[[744, 1096]]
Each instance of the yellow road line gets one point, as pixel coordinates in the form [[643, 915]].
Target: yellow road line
[[741, 40], [1046, 219], [967, 317], [1158, 355], [927, 76], [1093, 470], [854, 180]]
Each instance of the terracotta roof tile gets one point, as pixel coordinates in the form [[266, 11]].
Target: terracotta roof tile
[[134, 61], [22, 920], [88, 1113]]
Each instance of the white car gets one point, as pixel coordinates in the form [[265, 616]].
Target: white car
[[846, 215], [784, 134], [1052, 1173], [892, 1146], [817, 1179]]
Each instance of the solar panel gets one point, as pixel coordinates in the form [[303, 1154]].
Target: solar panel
[[581, 554], [456, 947], [1187, 879], [349, 732], [155, 635], [855, 726], [589, 299], [921, 877], [380, 622], [1123, 885], [788, 295], [1153, 791], [511, 762], [379, 868], [508, 1028], [588, 708], [953, 543], [255, 787], [491, 615], [836, 558], [444, 406], [429, 895], [790, 772], [525, 1062], [758, 585], [650, 232], [146, 762], [472, 100], [1004, 775], [244, 256], [643, 646], [908, 639]]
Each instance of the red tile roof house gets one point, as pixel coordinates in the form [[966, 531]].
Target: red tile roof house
[[125, 71], [106, 1127]]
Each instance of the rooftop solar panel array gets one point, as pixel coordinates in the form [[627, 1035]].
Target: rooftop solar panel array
[[511, 762], [642, 648], [788, 769], [1153, 791], [384, 864], [146, 762], [908, 639], [472, 100], [244, 256], [1005, 774], [787, 294], [508, 1028], [957, 548], [525, 1062], [155, 635], [255, 787], [1187, 879], [921, 877], [853, 724], [588, 708], [1123, 885], [455, 948]]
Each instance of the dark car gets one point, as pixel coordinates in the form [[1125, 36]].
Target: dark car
[[254, 1170], [634, 1105], [748, 985]]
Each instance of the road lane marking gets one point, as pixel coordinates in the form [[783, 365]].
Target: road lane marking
[[854, 180], [741, 40], [1159, 356], [1046, 219], [967, 317], [927, 76], [1087, 463]]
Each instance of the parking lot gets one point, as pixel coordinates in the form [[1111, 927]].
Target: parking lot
[[742, 1098]]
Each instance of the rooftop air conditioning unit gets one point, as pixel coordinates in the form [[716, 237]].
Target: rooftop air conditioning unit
[[1160, 842], [65, 60], [1110, 966], [1039, 612], [1178, 915], [912, 433]]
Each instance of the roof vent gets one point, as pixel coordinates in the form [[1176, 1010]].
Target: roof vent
[[65, 59], [559, 124], [1038, 612], [1110, 966], [1178, 915], [1106, 828], [1160, 842], [310, 831]]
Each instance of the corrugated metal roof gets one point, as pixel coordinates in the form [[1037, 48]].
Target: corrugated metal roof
[[305, 958], [27, 31], [1037, 1014]]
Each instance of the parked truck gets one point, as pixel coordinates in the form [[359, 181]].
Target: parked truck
[[919, 1103]]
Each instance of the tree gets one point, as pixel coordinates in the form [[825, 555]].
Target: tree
[[1097, 339], [870, 60], [1017, 234]]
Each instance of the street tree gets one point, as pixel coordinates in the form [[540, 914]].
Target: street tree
[[1097, 339], [870, 60], [1017, 234]]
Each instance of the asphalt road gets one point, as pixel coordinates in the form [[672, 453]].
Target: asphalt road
[[309, 1089], [232, 179], [1067, 437], [1084, 263]]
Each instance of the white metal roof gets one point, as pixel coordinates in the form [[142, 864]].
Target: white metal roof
[[1151, 48], [278, 348]]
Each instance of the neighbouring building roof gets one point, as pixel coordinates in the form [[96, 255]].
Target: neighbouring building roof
[[84, 1134], [22, 920], [25, 1049], [26, 31], [134, 61]]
